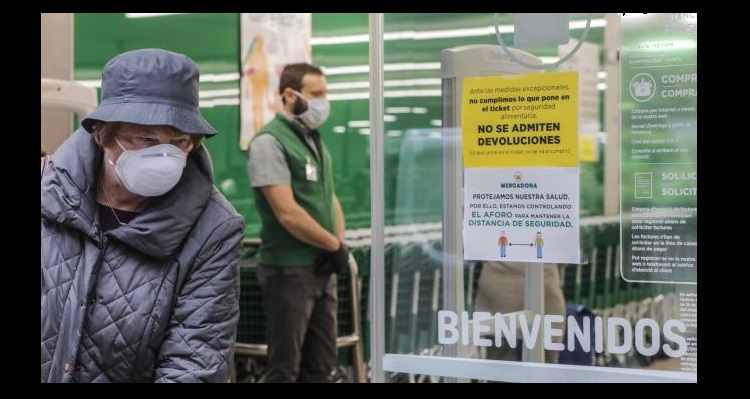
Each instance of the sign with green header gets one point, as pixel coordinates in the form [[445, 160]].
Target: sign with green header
[[659, 133]]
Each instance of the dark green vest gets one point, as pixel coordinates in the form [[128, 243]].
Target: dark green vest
[[278, 246]]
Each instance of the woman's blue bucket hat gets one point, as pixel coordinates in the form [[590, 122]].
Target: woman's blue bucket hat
[[151, 87]]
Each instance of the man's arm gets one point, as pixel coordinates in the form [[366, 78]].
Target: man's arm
[[340, 223], [297, 221]]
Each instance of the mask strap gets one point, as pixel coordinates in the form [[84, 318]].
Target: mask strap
[[299, 95], [108, 158], [118, 143]]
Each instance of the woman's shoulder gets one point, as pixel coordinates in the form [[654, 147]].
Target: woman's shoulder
[[220, 210]]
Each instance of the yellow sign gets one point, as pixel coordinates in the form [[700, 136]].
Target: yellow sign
[[520, 120], [589, 150]]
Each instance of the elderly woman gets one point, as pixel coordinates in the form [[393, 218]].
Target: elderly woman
[[140, 252]]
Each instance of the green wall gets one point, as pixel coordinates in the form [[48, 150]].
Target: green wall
[[412, 154]]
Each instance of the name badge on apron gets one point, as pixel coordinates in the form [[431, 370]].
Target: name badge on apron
[[311, 171]]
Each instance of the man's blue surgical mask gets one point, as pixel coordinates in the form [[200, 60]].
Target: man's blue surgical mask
[[316, 113]]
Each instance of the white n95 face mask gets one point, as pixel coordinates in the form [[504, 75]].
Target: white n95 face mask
[[152, 171], [316, 113]]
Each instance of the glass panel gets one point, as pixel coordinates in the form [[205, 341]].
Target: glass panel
[[591, 315], [417, 149]]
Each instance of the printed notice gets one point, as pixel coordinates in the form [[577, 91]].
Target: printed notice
[[268, 41], [688, 312], [521, 177], [659, 171], [644, 185]]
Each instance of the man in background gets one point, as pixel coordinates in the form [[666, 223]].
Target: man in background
[[302, 231]]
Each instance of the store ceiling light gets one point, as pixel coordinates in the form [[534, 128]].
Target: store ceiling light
[[152, 14], [406, 66], [439, 34], [204, 78], [387, 83]]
